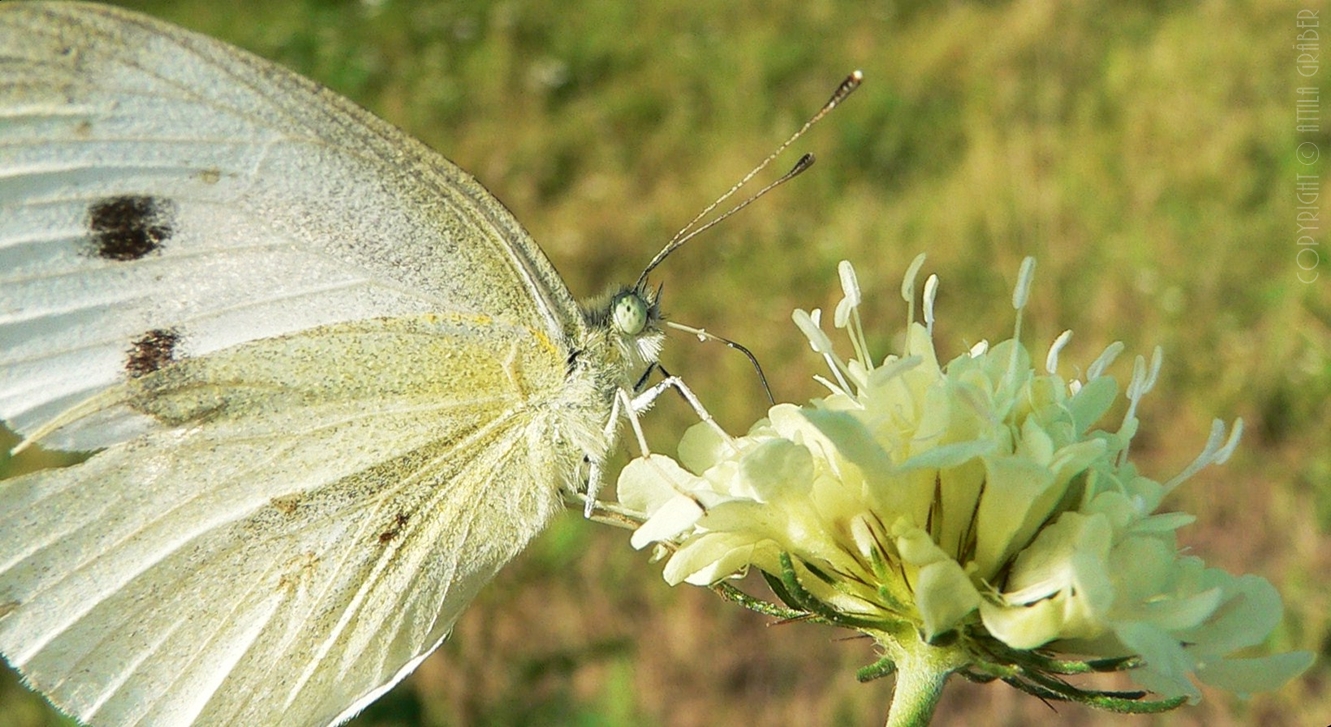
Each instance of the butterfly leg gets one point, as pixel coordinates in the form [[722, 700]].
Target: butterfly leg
[[594, 473], [630, 406], [644, 401]]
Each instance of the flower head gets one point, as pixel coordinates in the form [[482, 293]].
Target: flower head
[[975, 504]]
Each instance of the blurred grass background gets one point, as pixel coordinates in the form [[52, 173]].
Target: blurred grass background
[[1142, 151]]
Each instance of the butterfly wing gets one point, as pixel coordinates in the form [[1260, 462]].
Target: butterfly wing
[[281, 549], [332, 375], [164, 195]]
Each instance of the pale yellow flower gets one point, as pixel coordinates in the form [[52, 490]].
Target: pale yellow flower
[[975, 504]]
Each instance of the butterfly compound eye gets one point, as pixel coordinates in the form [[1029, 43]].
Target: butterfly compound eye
[[629, 313]]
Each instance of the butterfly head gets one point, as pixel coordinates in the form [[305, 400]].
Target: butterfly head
[[629, 319]]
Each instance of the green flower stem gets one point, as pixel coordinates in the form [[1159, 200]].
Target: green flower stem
[[921, 672]]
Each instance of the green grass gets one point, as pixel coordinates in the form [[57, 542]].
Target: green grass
[[1143, 152]]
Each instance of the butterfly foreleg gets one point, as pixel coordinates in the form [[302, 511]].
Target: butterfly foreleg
[[644, 400]]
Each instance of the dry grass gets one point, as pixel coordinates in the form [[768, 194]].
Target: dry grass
[[1143, 153]]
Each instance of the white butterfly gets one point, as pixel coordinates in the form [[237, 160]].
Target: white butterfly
[[334, 383]]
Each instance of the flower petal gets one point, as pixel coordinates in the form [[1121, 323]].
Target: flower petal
[[777, 468], [677, 515], [1016, 500], [702, 446], [647, 483], [944, 595], [1165, 663], [1023, 627], [1245, 676]]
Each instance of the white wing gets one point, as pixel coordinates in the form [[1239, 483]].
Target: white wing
[[290, 549], [164, 195], [333, 374]]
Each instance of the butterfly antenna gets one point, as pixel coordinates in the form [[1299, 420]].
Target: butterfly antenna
[[705, 336], [690, 231]]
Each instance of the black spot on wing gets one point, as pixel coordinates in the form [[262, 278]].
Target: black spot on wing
[[131, 226], [151, 351], [394, 530]]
